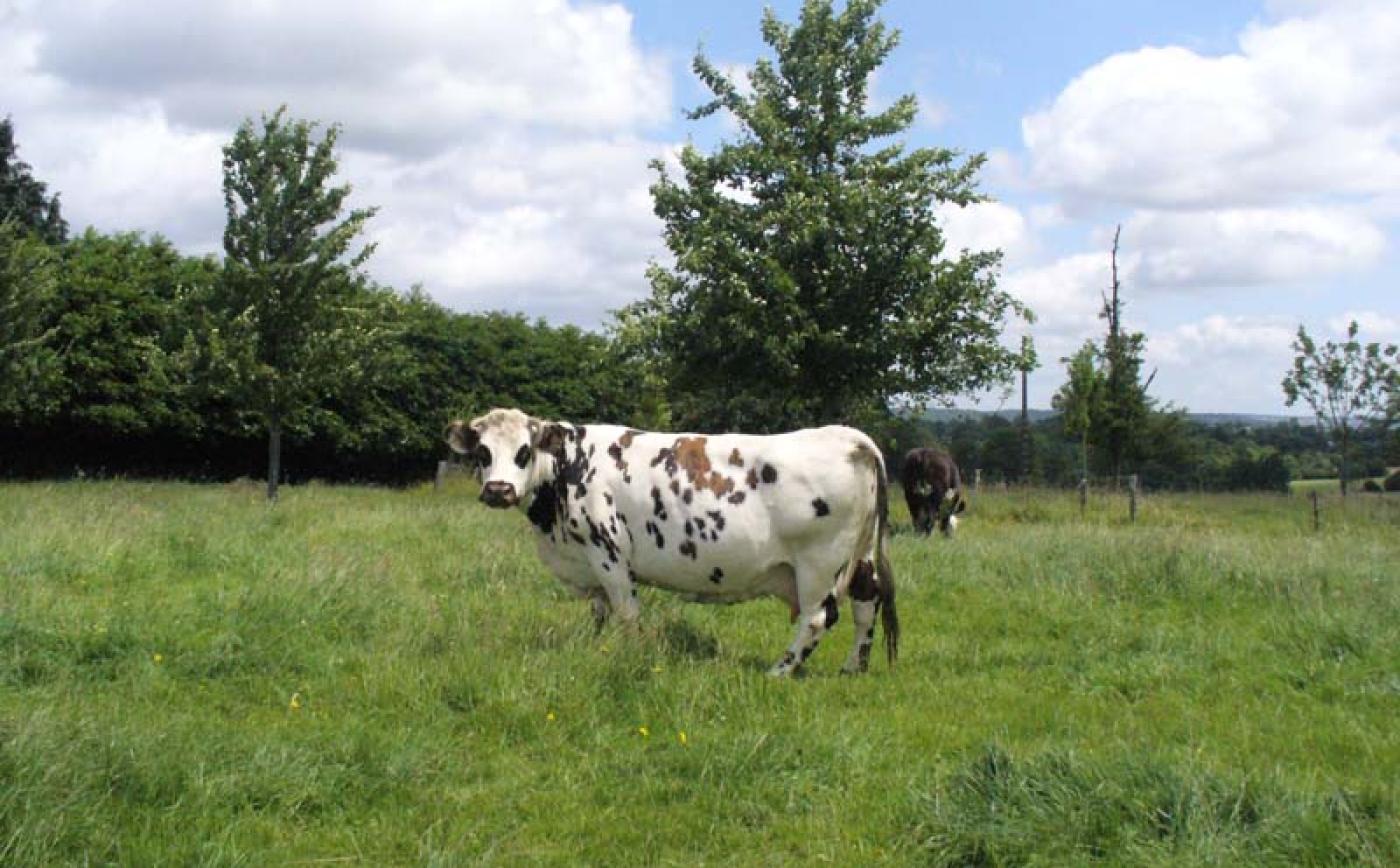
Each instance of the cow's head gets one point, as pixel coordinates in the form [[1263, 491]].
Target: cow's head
[[953, 504], [513, 451]]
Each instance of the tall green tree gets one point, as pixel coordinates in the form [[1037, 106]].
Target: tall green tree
[[290, 326], [1079, 398], [1124, 406], [810, 282], [23, 198], [1346, 384]]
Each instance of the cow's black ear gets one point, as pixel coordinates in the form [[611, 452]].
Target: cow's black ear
[[551, 437], [461, 437]]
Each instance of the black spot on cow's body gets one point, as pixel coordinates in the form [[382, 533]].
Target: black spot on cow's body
[[863, 587], [689, 528], [832, 612], [737, 498], [807, 652], [752, 478], [607, 498], [769, 473], [819, 506], [578, 538], [666, 457], [544, 509], [717, 518], [580, 431], [688, 548], [522, 457], [716, 575], [658, 508], [660, 540]]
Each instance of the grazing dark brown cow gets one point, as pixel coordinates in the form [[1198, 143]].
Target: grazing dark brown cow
[[933, 490]]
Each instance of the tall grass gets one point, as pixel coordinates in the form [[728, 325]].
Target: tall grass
[[389, 677]]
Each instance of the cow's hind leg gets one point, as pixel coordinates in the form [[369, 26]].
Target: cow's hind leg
[[865, 605], [817, 614]]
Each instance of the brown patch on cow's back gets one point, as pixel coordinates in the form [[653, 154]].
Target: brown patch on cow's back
[[627, 436], [735, 458], [752, 478], [689, 453]]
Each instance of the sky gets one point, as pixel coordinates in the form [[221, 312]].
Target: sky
[[1250, 151]]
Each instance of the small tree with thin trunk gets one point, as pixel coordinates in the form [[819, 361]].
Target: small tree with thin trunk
[[1079, 397], [289, 328], [1345, 384]]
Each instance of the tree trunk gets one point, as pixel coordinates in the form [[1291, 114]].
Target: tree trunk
[[274, 455], [1346, 442]]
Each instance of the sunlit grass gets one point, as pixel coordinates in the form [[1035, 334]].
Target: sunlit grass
[[389, 677]]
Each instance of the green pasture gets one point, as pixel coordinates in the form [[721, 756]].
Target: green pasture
[[378, 677]]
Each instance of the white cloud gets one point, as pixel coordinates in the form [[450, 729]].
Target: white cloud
[[1372, 326], [1249, 246], [984, 226], [1223, 364], [1308, 106], [1065, 295], [505, 143], [399, 82]]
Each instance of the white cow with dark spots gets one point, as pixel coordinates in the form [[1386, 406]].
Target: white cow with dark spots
[[719, 519]]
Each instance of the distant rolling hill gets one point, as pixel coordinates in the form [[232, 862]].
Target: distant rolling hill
[[947, 414]]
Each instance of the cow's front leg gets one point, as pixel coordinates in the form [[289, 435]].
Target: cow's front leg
[[621, 598], [601, 608], [818, 614]]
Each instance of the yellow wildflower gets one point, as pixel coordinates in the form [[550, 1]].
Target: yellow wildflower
[[683, 740], [296, 701], [643, 731], [157, 657], [549, 716]]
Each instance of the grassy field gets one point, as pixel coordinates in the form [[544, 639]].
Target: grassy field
[[364, 676]]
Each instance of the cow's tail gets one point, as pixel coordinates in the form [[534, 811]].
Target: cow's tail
[[872, 540]]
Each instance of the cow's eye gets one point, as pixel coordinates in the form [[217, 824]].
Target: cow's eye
[[483, 456], [522, 458]]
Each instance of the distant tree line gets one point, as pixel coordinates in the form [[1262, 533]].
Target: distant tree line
[[1175, 452]]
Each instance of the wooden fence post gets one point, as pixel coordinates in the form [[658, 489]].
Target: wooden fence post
[[441, 475], [977, 479], [1083, 495], [1312, 495], [1132, 497]]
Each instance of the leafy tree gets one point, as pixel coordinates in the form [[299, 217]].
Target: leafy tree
[[1079, 398], [28, 362], [289, 329], [119, 314], [1345, 384], [23, 198], [1124, 406], [809, 282]]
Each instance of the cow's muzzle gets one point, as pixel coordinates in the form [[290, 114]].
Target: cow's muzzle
[[499, 494]]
